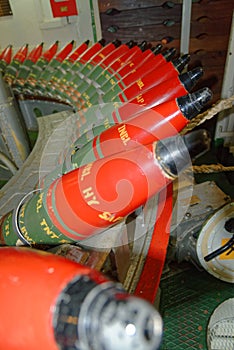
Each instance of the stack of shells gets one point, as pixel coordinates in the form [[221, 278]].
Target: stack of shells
[[133, 99]]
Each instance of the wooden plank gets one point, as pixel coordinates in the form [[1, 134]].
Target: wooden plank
[[141, 17], [208, 59], [130, 5], [149, 33], [211, 28], [5, 8], [212, 9], [156, 32], [209, 43]]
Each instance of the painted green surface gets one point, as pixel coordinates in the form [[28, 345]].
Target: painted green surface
[[188, 298]]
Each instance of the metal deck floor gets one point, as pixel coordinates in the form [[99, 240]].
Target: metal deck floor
[[188, 298]]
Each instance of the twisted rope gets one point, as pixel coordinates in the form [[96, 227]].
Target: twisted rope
[[202, 117], [211, 168]]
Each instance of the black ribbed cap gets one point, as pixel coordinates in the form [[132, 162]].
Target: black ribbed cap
[[169, 54], [117, 42], [157, 49], [191, 104], [143, 46], [130, 44], [180, 62], [102, 42], [190, 78]]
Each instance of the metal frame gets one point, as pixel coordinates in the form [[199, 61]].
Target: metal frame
[[225, 122], [185, 26]]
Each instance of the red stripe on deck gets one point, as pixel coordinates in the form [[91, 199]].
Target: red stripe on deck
[[149, 280]]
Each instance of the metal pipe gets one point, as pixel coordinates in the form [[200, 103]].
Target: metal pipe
[[8, 163], [185, 26]]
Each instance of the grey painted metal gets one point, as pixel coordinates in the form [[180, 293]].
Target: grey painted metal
[[212, 236], [30, 109], [14, 142], [206, 199], [220, 329], [27, 176], [225, 122], [185, 26]]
